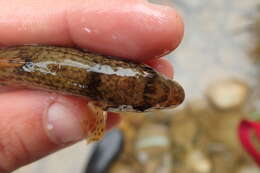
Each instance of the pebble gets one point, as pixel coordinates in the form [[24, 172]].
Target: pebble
[[198, 162], [228, 94], [152, 142]]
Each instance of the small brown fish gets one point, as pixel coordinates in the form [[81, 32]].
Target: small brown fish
[[111, 83]]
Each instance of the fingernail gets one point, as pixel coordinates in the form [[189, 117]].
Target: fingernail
[[62, 125]]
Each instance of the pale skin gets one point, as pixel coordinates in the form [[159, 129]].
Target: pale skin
[[132, 29]]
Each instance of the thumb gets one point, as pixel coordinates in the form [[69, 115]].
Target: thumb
[[34, 124]]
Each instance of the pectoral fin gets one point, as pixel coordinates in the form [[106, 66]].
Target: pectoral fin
[[95, 123]]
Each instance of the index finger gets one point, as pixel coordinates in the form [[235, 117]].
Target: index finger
[[135, 30]]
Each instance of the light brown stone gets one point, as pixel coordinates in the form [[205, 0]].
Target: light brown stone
[[228, 94]]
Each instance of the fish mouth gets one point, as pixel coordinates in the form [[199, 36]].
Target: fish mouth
[[175, 97]]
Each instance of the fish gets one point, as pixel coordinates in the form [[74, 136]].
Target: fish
[[112, 84]]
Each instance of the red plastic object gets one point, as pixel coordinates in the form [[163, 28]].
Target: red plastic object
[[245, 130]]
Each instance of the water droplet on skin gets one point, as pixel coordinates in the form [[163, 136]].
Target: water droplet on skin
[[87, 30], [49, 126]]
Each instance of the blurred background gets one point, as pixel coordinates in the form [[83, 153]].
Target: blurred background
[[218, 63]]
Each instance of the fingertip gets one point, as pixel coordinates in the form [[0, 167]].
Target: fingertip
[[171, 28], [136, 31], [162, 65]]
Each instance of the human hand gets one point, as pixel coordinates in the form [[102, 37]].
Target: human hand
[[36, 123]]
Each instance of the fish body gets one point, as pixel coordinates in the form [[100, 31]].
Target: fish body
[[114, 84]]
